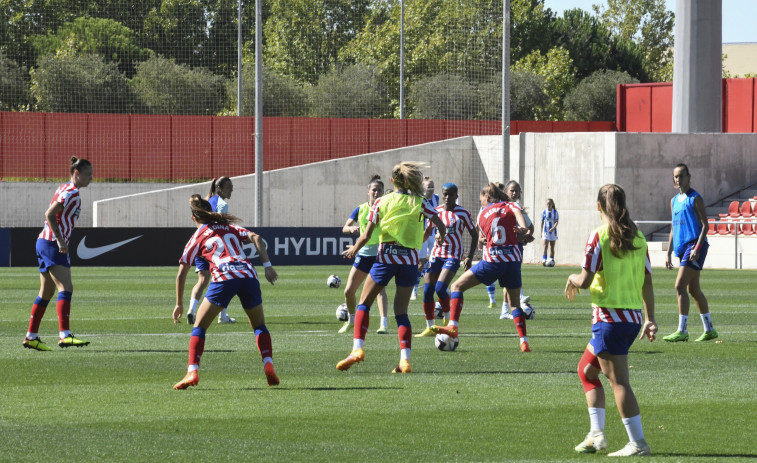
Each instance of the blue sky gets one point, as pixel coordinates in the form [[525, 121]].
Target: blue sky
[[738, 16]]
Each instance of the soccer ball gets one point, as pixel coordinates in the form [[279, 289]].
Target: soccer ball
[[438, 311], [445, 343], [342, 314], [551, 263], [334, 281], [529, 311]]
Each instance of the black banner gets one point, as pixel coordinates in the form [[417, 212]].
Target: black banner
[[164, 246]]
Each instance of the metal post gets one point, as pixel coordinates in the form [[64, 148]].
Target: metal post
[[239, 58], [258, 113], [402, 59], [505, 90]]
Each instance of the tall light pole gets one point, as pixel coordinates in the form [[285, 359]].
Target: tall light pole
[[258, 113], [402, 59], [505, 90]]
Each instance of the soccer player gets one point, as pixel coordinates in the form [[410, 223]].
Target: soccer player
[[688, 238], [219, 241], [500, 221], [617, 270], [549, 220], [514, 193], [428, 243], [364, 260], [54, 260], [220, 191], [397, 217], [445, 257]]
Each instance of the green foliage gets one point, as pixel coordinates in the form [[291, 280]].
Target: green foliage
[[177, 29], [80, 84], [526, 95], [14, 85], [282, 96], [165, 87], [556, 68], [349, 91], [594, 98], [105, 37], [444, 96]]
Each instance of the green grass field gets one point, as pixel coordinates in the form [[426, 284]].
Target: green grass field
[[113, 401]]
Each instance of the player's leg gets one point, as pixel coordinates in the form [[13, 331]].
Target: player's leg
[[203, 279], [615, 368], [431, 278], [684, 277], [544, 253], [504, 313], [371, 290], [552, 253], [383, 305], [466, 281], [588, 372], [252, 303], [61, 275], [402, 295], [46, 292], [354, 280], [206, 313], [703, 306], [442, 289]]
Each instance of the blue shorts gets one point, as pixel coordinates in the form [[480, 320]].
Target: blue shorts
[[364, 263], [248, 289], [695, 264], [404, 275], [201, 264], [507, 273], [613, 338], [437, 264], [49, 256]]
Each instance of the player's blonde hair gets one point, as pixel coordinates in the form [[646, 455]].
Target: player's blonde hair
[[408, 176], [495, 192], [202, 211], [623, 231]]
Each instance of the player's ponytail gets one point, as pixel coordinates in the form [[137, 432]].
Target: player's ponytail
[[407, 176], [215, 184], [612, 202], [79, 164], [495, 192], [376, 178], [202, 211]]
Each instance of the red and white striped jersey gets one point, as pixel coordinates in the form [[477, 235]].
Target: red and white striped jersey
[[221, 246], [67, 195], [593, 263], [391, 253], [497, 222], [457, 221]]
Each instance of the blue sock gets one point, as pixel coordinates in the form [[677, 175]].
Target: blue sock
[[199, 332], [64, 296], [428, 293], [441, 290], [260, 330]]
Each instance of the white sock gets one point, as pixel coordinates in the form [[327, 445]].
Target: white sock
[[223, 313], [429, 323], [523, 339], [65, 334], [521, 293], [30, 335], [357, 343], [193, 305], [454, 323], [384, 322], [267, 360], [633, 428], [405, 354], [683, 320], [706, 321], [597, 418], [505, 307], [193, 367], [352, 319]]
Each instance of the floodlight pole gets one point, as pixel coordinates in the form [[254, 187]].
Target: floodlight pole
[[239, 58], [258, 114], [402, 59], [505, 90]]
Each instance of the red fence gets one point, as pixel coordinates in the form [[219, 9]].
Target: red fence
[[649, 107], [170, 148]]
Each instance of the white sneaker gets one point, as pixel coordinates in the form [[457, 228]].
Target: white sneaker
[[595, 441], [505, 313], [525, 300], [631, 449], [414, 295], [226, 319]]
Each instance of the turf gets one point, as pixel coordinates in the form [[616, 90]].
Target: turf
[[113, 401]]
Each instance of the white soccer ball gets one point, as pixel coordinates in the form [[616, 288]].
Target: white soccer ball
[[438, 311], [551, 263], [333, 281], [529, 311], [445, 343], [342, 314]]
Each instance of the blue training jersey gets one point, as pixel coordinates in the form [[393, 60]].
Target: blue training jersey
[[686, 225]]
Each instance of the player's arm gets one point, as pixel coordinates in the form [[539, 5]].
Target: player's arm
[[704, 226], [439, 226], [181, 279], [649, 330], [51, 216], [522, 228], [429, 229], [270, 272], [352, 251], [471, 249], [668, 257], [577, 282], [350, 227]]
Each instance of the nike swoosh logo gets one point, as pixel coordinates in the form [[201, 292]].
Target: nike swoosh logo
[[86, 253]]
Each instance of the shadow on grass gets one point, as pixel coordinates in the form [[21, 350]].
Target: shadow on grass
[[706, 455], [327, 388], [170, 351]]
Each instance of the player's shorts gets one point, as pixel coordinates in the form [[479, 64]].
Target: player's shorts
[[506, 273], [549, 235], [695, 264], [427, 247], [49, 256], [613, 338], [364, 263], [201, 265], [437, 264], [222, 292], [403, 274]]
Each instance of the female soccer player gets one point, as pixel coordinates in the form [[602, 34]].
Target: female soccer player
[[428, 244], [445, 257], [617, 270], [549, 220], [500, 222], [54, 261], [220, 190], [364, 260], [218, 240], [514, 193], [398, 218], [688, 238]]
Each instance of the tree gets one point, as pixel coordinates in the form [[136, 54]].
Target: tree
[[649, 24], [165, 87], [283, 97], [556, 68], [349, 91], [526, 95], [444, 96], [80, 84], [178, 30], [14, 85], [594, 98]]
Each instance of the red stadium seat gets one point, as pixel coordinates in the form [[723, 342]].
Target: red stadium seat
[[746, 209], [733, 210], [747, 228], [723, 228], [711, 230]]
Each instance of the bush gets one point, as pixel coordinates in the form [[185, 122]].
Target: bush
[[80, 84], [526, 94], [14, 85], [165, 87], [282, 96], [349, 91], [594, 98], [444, 96]]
